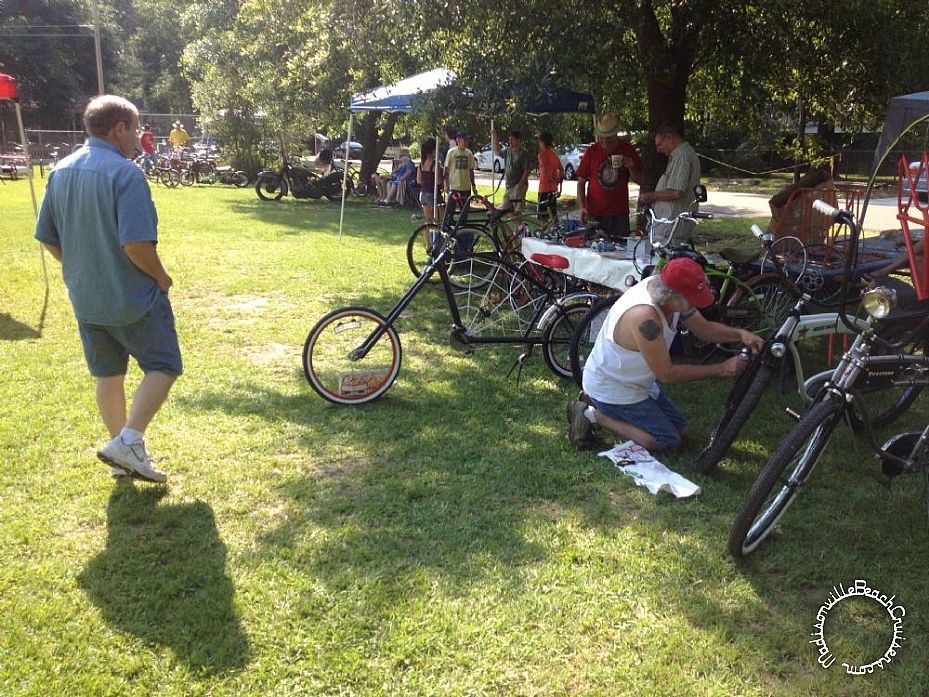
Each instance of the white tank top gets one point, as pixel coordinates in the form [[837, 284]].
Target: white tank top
[[615, 374]]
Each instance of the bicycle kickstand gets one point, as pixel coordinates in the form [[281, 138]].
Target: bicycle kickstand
[[518, 364]]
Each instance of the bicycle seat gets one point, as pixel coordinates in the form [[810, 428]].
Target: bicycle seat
[[688, 252], [739, 255], [554, 261]]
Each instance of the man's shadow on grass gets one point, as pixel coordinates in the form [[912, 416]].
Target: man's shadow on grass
[[162, 578], [11, 329]]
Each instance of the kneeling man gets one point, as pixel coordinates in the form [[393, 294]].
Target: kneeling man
[[631, 356]]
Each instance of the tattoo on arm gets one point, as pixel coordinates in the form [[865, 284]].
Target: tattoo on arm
[[650, 330]]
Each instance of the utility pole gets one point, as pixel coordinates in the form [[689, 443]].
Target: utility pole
[[96, 11]]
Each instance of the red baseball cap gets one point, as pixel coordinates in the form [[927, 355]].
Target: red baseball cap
[[685, 276]]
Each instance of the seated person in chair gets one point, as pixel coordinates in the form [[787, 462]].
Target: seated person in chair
[[323, 164], [405, 173]]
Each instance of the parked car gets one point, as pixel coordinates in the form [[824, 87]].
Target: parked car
[[354, 150], [921, 190], [484, 159], [570, 156]]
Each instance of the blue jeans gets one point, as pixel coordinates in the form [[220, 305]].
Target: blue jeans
[[657, 416]]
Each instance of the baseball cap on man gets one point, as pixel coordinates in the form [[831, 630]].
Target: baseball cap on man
[[462, 134], [607, 125], [685, 276]]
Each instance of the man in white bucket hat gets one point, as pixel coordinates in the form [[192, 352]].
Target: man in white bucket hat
[[603, 178]]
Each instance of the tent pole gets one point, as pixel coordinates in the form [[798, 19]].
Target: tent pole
[[493, 161], [35, 205], [348, 152]]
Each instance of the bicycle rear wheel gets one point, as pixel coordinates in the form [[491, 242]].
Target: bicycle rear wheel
[[585, 336], [759, 308], [420, 246], [499, 300], [556, 340], [740, 403], [783, 476], [332, 360]]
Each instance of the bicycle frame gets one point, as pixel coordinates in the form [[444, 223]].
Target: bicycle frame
[[544, 312], [797, 328]]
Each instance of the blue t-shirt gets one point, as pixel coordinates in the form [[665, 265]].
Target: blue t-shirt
[[405, 172], [95, 202]]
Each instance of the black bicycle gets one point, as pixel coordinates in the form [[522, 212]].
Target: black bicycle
[[353, 354], [889, 359], [781, 347]]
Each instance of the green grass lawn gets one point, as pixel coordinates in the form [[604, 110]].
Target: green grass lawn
[[445, 540]]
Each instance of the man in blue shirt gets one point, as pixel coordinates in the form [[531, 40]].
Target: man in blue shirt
[[98, 219], [405, 175]]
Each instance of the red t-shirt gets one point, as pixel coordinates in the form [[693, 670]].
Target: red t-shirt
[[147, 139], [607, 188]]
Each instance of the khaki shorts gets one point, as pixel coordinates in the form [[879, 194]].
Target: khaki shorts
[[515, 197]]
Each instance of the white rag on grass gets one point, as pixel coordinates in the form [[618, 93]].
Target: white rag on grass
[[634, 460]]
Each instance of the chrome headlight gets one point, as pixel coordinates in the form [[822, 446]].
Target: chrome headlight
[[878, 302]]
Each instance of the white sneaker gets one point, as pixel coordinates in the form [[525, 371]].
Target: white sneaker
[[131, 458]]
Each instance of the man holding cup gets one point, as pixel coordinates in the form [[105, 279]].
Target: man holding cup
[[603, 178]]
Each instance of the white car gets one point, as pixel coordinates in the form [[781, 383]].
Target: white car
[[570, 156], [484, 159]]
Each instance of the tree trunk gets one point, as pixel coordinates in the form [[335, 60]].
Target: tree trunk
[[374, 145], [667, 64]]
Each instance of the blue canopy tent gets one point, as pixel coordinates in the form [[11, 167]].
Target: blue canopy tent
[[404, 97], [408, 95], [564, 101]]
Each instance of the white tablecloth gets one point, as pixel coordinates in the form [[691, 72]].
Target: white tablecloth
[[612, 269]]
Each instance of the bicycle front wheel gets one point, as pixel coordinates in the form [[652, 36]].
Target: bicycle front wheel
[[556, 340], [742, 400], [352, 356], [170, 178], [783, 476]]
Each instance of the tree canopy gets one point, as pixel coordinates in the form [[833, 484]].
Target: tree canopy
[[722, 69]]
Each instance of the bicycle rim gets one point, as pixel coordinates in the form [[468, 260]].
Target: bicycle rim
[[740, 403], [419, 247], [328, 361], [556, 340], [773, 492]]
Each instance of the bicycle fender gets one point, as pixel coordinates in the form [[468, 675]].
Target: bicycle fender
[[555, 309]]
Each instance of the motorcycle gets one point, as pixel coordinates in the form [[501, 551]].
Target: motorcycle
[[206, 171], [227, 175], [301, 181]]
